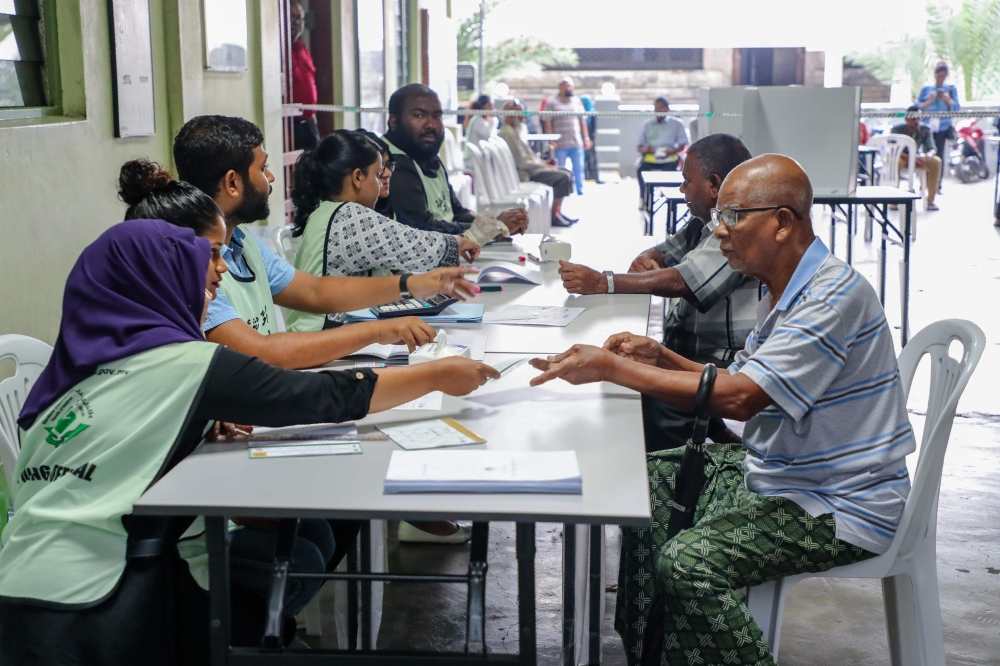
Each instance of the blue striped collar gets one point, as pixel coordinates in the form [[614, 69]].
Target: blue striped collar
[[808, 265]]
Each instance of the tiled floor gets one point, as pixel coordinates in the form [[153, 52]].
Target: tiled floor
[[956, 273]]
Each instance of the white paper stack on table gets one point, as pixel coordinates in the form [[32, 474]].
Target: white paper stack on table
[[324, 439], [552, 472], [533, 315], [399, 354], [502, 251], [503, 273]]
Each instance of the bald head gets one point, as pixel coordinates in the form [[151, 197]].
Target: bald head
[[772, 180]]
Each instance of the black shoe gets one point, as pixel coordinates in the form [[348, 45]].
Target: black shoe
[[560, 222], [571, 220]]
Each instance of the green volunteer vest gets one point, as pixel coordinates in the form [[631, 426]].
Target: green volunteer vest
[[251, 297], [311, 259], [84, 462], [436, 189]]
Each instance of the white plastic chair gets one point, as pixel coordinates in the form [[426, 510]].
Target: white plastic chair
[[461, 182], [30, 357], [488, 196], [912, 611], [285, 245], [506, 157], [891, 147], [538, 209]]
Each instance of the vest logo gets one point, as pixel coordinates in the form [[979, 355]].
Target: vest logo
[[63, 431], [258, 321]]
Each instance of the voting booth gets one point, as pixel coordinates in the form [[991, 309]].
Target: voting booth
[[818, 127]]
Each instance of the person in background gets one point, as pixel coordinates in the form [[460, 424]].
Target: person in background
[[421, 196], [715, 307], [224, 158], [574, 138], [336, 188], [661, 139], [820, 479], [531, 168], [940, 96], [480, 128], [590, 169], [926, 157], [303, 82]]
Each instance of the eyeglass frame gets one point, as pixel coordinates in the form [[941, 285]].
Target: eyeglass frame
[[390, 165], [718, 213]]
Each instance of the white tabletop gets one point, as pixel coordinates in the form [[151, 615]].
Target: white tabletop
[[601, 422], [664, 178], [880, 193], [604, 316]]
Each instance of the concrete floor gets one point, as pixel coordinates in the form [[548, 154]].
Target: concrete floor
[[956, 273]]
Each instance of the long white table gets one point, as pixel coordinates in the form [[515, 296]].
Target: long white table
[[602, 423]]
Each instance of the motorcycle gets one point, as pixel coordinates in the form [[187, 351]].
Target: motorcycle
[[967, 159]]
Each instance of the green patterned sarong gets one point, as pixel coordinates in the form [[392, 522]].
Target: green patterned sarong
[[739, 539]]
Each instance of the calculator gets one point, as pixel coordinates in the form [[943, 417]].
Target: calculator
[[415, 307]]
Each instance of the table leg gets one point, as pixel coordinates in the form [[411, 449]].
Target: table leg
[[352, 600], [881, 258], [904, 329], [569, 594], [217, 542], [366, 585], [647, 190], [526, 593], [850, 233], [596, 593], [833, 229]]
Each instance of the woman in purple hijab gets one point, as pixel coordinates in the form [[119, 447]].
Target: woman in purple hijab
[[131, 390]]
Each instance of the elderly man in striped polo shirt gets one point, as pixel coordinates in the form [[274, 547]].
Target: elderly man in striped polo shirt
[[820, 479]]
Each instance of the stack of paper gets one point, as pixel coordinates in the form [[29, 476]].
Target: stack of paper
[[325, 439], [399, 354], [459, 313], [555, 472], [507, 274], [533, 315]]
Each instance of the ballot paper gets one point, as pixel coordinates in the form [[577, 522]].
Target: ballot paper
[[506, 274], [433, 434], [507, 366], [481, 471], [317, 448], [433, 400], [476, 342], [533, 315]]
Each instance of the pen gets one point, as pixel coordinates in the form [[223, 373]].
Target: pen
[[491, 287], [534, 258]]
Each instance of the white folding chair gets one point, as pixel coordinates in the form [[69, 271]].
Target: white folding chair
[[30, 357], [912, 611], [286, 246], [539, 212], [502, 151]]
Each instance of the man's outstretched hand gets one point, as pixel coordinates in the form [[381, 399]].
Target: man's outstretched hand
[[580, 364], [578, 279], [634, 347]]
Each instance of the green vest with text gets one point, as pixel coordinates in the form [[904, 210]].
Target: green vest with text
[[251, 297], [310, 259], [84, 462], [436, 189]]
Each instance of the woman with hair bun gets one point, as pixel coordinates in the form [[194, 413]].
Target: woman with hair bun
[[336, 189]]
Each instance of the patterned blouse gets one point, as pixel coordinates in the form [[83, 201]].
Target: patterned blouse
[[358, 240]]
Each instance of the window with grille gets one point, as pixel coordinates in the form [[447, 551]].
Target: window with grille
[[22, 55]]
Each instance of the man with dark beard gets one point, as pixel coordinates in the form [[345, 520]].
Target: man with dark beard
[[225, 158], [421, 195]]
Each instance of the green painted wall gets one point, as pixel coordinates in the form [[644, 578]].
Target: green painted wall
[[58, 175]]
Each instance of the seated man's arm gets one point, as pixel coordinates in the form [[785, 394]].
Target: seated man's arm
[[666, 282], [309, 350], [324, 295], [733, 397]]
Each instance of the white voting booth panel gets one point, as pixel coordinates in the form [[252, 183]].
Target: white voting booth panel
[[818, 127]]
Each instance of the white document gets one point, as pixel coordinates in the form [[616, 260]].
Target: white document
[[507, 366], [318, 448], [433, 400], [533, 315], [384, 352], [504, 273], [433, 434], [483, 472]]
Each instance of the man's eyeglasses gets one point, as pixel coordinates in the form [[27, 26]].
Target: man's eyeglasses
[[730, 216]]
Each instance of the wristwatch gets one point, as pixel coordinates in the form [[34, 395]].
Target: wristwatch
[[611, 281], [404, 293]]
